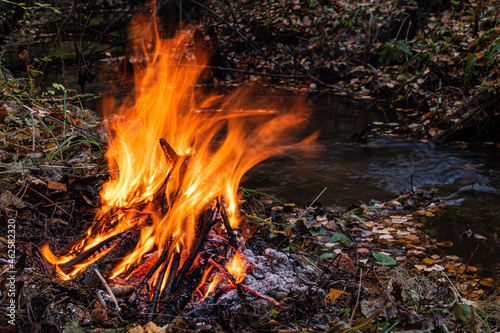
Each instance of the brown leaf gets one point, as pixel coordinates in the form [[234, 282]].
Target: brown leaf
[[57, 186], [9, 199], [412, 238]]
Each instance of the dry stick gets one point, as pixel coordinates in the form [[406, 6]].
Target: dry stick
[[152, 270], [172, 272], [156, 295], [50, 201], [232, 236], [184, 292], [110, 292], [239, 286], [312, 203], [224, 271], [230, 232], [357, 299], [337, 259], [256, 293], [228, 275], [200, 241], [94, 251], [468, 262]]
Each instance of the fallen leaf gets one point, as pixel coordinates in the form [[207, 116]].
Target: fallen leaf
[[429, 261], [57, 186], [412, 238], [333, 294], [487, 282], [9, 199]]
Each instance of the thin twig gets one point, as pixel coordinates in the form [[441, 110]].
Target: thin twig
[[250, 290], [31, 111], [312, 203], [357, 299], [43, 196], [110, 292]]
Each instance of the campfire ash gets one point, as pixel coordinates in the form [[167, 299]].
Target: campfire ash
[[169, 212]]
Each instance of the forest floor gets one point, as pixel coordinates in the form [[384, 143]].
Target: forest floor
[[437, 61]]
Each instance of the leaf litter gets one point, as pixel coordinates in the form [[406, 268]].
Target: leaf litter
[[372, 265]]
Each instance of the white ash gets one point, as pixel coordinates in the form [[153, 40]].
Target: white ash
[[277, 277]]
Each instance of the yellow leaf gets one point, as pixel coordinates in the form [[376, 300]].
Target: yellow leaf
[[488, 282], [333, 294], [429, 261]]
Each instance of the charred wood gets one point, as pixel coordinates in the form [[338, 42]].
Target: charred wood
[[94, 251], [184, 292], [152, 270], [230, 232], [210, 220], [106, 263]]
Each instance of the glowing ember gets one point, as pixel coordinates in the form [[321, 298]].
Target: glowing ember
[[208, 155]]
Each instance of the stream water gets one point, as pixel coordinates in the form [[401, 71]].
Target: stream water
[[382, 168]]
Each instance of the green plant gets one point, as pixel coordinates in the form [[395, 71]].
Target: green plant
[[34, 7], [396, 50], [346, 312]]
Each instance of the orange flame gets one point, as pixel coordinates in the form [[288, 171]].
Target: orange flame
[[237, 267], [212, 285], [215, 150]]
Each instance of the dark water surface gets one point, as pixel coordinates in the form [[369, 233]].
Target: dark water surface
[[381, 169]]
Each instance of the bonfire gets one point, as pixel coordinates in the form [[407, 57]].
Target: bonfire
[[176, 158]]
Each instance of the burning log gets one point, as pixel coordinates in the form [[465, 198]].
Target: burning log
[[94, 252]]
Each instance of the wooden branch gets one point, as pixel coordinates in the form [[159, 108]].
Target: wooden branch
[[94, 251], [210, 221], [230, 232]]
